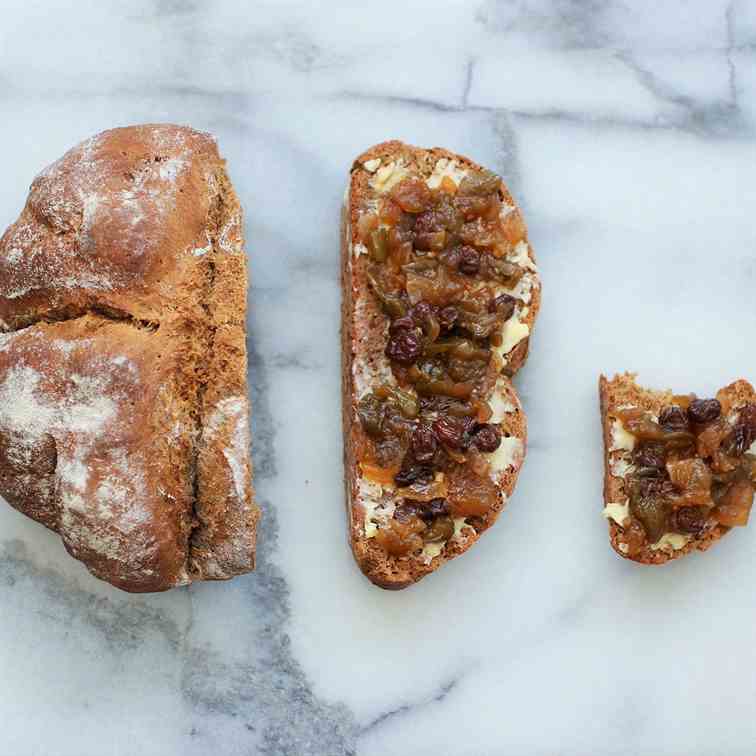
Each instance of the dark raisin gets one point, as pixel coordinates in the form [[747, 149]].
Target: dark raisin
[[650, 456], [448, 431], [424, 443], [447, 318], [406, 321], [690, 520], [744, 433], [704, 410], [406, 511], [487, 437], [654, 486], [469, 261], [454, 432], [413, 472], [404, 346], [421, 312], [504, 305], [434, 508], [673, 418]]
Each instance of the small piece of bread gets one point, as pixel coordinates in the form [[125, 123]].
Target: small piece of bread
[[624, 468], [372, 504], [123, 379]]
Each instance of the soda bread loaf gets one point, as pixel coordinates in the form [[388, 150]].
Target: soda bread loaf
[[123, 373], [440, 294], [679, 471]]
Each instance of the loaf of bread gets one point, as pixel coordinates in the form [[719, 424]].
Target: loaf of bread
[[123, 372], [440, 294], [679, 471]]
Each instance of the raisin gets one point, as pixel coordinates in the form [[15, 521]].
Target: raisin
[[689, 520], [673, 417], [404, 346], [413, 472], [650, 456], [504, 305], [453, 432], [428, 222], [406, 511], [447, 318], [656, 486], [405, 321], [424, 443], [704, 410], [487, 437], [469, 261], [448, 431], [434, 508], [744, 432], [421, 312]]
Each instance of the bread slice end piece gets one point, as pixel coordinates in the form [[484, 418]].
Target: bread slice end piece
[[623, 391]]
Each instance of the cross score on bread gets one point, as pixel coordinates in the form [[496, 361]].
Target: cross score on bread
[[440, 294], [123, 382], [679, 470]]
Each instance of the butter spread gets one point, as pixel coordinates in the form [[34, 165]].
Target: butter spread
[[387, 177], [432, 550], [459, 524], [509, 453], [512, 334], [621, 439], [377, 504], [448, 168], [617, 512], [674, 541], [521, 257], [620, 467], [500, 405]]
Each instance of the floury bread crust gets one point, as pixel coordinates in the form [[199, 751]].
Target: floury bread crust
[[364, 329], [123, 386], [623, 391]]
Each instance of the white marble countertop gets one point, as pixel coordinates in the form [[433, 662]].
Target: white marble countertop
[[627, 131]]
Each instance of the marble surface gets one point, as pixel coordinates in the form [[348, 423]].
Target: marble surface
[[627, 130]]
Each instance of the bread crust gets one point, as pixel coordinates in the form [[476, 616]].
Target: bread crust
[[123, 301], [363, 338], [623, 390]]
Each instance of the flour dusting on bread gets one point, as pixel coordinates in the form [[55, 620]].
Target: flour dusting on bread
[[123, 304]]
